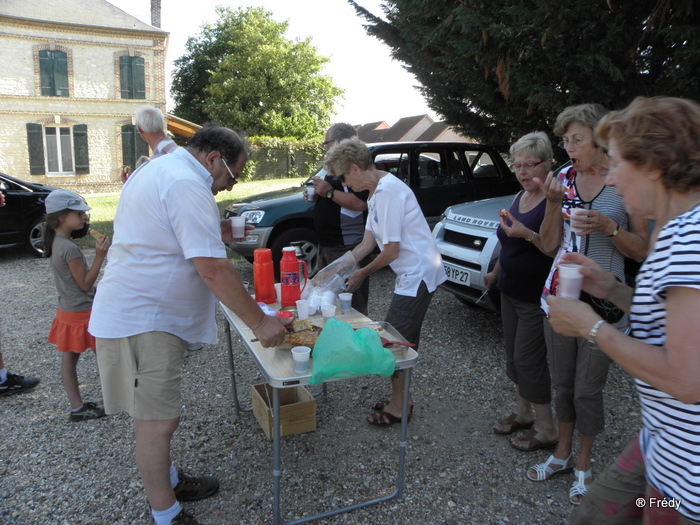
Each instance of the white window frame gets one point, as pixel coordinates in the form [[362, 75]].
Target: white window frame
[[59, 153]]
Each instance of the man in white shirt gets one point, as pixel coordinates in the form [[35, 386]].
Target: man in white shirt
[[166, 269]]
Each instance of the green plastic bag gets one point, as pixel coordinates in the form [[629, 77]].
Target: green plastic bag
[[342, 351]]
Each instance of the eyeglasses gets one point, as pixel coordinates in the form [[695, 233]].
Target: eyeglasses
[[576, 140], [341, 178], [229, 171], [326, 142], [528, 167]]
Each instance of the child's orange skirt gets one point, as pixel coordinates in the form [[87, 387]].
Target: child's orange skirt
[[69, 331]]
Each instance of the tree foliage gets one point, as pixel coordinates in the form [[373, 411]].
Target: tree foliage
[[498, 70], [244, 74]]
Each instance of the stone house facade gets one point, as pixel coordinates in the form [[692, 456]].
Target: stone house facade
[[74, 73]]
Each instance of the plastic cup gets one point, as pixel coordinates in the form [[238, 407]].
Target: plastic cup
[[278, 292], [575, 224], [300, 355], [238, 227], [310, 195], [345, 302], [570, 280], [328, 311], [303, 309]]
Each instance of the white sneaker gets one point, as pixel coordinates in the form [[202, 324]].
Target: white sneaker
[[193, 347]]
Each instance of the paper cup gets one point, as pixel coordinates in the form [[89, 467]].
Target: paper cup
[[576, 225], [300, 355], [570, 280], [345, 302], [328, 311], [238, 227], [303, 309]]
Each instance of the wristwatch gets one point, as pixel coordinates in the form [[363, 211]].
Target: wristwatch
[[329, 195]]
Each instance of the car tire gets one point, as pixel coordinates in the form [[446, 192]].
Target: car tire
[[309, 247], [35, 237]]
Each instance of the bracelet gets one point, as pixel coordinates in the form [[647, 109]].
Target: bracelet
[[593, 334], [615, 231], [532, 237]]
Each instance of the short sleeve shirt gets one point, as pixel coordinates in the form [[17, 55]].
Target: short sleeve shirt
[[71, 298]]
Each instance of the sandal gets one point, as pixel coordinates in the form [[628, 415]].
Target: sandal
[[510, 425], [379, 405], [381, 418], [579, 487], [544, 471], [532, 440]]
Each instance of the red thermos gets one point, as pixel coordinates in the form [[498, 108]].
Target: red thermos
[[290, 276], [263, 276]]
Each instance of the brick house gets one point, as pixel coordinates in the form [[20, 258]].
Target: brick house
[[74, 73]]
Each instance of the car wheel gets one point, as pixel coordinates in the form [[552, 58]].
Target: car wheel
[[308, 242], [35, 239]]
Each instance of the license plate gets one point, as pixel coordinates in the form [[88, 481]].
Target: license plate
[[457, 275]]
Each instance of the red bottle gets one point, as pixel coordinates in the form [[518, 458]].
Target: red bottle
[[263, 276], [290, 276]]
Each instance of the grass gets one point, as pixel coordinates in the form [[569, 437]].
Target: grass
[[104, 206]]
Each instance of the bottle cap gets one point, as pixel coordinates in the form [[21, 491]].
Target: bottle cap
[[262, 255], [284, 313]]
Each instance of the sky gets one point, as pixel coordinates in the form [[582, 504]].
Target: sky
[[376, 87]]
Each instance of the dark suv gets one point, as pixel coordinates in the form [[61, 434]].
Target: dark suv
[[439, 173]]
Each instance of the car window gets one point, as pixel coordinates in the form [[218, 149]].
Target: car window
[[482, 166], [394, 163], [440, 168]]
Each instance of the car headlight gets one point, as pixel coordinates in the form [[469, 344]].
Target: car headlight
[[253, 216]]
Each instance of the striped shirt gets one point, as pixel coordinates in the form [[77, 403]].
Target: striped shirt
[[596, 245], [670, 439]]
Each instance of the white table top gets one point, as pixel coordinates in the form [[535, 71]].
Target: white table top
[[276, 364]]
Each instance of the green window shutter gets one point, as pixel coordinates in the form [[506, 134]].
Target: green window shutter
[[125, 83], [138, 76], [35, 143], [80, 146], [46, 73], [128, 148], [61, 73], [140, 146]]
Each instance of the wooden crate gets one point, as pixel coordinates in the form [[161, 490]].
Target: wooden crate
[[297, 409]]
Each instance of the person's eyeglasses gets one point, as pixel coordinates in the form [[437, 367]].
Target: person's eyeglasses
[[341, 178], [576, 140], [229, 171], [326, 142], [528, 167]]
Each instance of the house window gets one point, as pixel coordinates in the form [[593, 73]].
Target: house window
[[133, 146], [53, 70], [58, 150], [132, 77]]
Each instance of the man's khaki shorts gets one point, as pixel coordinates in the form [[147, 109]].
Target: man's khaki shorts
[[141, 374]]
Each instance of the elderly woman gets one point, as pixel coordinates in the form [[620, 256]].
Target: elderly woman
[[607, 235], [396, 223], [654, 147], [519, 275]]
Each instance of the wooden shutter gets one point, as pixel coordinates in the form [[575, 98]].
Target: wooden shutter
[[80, 145], [138, 76], [125, 83], [128, 151], [60, 64], [46, 73], [35, 143]]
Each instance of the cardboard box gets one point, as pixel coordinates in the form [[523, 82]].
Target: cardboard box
[[297, 409]]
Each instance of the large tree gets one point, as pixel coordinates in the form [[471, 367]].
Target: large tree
[[498, 70], [244, 74]]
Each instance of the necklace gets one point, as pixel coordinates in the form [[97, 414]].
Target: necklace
[[529, 200]]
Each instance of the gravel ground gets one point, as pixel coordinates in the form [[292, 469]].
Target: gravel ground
[[457, 471]]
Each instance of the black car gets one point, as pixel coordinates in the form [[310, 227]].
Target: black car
[[22, 217], [439, 173]]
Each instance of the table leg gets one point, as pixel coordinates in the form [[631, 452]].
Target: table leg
[[276, 456], [404, 433], [232, 371]]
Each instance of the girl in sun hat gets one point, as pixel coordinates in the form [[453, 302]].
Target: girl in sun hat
[[66, 218]]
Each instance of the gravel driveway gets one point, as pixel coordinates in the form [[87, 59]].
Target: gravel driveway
[[55, 472]]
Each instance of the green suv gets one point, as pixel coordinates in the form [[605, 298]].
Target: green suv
[[439, 173]]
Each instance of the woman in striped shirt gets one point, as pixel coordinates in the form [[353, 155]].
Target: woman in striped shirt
[[654, 150]]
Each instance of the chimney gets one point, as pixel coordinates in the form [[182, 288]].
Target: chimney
[[155, 13]]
